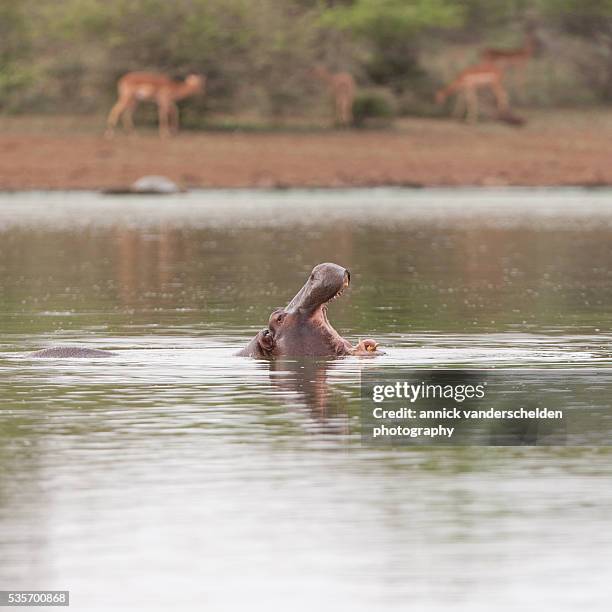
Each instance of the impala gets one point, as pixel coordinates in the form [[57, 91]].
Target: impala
[[485, 75], [341, 86], [135, 87]]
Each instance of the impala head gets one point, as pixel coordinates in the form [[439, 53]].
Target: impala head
[[196, 82]]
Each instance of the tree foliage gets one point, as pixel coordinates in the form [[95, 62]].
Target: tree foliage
[[68, 55], [590, 21]]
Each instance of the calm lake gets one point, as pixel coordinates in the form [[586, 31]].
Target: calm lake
[[179, 476]]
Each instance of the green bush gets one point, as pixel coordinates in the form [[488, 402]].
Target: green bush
[[373, 107]]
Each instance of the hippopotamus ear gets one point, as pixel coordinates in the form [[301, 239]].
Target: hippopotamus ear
[[265, 338]]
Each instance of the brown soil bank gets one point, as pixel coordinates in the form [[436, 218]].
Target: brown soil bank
[[561, 148]]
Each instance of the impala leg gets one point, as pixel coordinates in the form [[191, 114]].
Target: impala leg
[[459, 109], [348, 110], [174, 118], [343, 111], [113, 118], [501, 97], [128, 117], [471, 98], [338, 107], [163, 112], [520, 81]]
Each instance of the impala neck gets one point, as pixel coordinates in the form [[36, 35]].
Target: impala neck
[[185, 90]]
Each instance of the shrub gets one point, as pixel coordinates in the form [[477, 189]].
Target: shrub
[[373, 107]]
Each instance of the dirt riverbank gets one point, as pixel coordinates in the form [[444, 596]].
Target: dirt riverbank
[[564, 148]]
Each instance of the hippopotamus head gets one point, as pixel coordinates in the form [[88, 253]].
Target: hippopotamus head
[[302, 328]]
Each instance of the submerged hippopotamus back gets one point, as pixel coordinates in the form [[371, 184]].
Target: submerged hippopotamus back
[[70, 352], [302, 327]]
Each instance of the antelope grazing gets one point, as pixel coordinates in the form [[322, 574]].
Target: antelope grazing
[[466, 86], [135, 87], [341, 86]]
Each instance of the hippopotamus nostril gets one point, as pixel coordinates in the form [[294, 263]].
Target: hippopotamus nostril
[[348, 275]]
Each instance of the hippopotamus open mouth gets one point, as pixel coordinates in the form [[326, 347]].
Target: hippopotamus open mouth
[[302, 327]]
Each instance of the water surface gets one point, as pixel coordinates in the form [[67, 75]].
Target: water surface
[[179, 475]]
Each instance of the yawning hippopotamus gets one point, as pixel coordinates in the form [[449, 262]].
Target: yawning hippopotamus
[[302, 328]]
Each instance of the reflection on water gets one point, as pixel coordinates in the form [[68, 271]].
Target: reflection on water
[[177, 472]]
